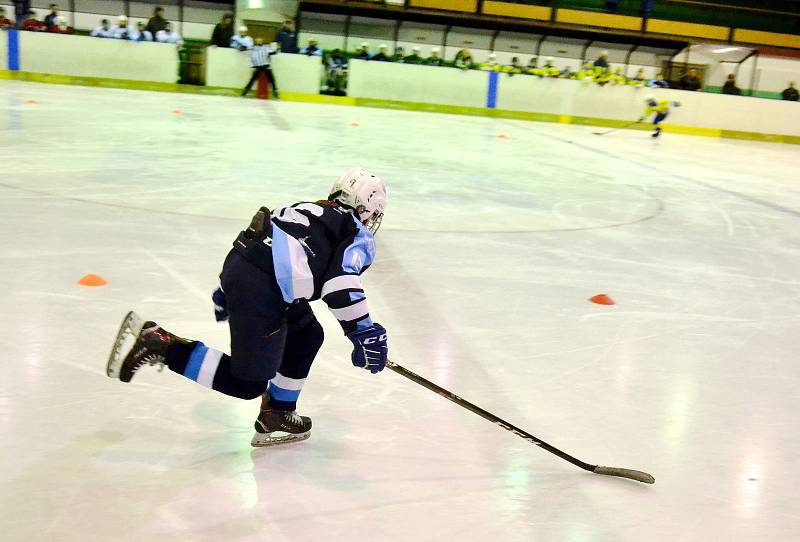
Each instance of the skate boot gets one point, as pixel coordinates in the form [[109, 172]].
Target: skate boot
[[138, 343], [657, 132], [275, 427]]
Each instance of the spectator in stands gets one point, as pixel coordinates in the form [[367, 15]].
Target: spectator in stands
[[690, 81], [260, 61], [5, 23], [549, 69], [399, 55], [463, 59], [51, 20], [31, 24], [491, 64], [167, 35], [659, 81], [514, 67], [140, 33], [381, 55], [638, 79], [602, 61], [223, 32], [287, 38], [730, 86], [363, 51], [790, 94], [414, 57], [434, 59], [337, 73], [21, 9], [62, 27], [242, 41], [157, 22], [120, 31], [312, 49], [102, 31]]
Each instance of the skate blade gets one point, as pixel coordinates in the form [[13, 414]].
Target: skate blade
[[263, 440], [126, 337]]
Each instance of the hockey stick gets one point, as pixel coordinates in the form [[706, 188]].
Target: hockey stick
[[631, 474], [618, 128]]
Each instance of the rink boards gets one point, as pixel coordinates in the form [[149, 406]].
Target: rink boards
[[112, 63]]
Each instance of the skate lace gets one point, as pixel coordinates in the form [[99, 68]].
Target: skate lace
[[292, 417]]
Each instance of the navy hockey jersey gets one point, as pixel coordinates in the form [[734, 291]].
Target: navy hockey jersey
[[319, 251]]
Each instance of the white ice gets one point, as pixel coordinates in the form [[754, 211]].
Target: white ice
[[487, 256]]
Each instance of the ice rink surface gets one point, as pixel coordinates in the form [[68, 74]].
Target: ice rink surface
[[488, 253]]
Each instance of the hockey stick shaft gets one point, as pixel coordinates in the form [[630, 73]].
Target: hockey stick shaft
[[617, 128], [611, 471]]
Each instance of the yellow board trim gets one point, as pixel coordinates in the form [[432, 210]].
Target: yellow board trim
[[591, 18], [766, 38], [397, 105], [521, 11], [693, 30], [470, 6]]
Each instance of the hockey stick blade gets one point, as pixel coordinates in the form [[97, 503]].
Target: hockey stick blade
[[630, 474]]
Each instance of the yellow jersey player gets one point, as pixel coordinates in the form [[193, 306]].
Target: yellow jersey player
[[661, 110]]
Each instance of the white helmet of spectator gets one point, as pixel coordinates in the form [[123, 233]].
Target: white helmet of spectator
[[383, 46], [364, 44], [604, 52], [242, 30], [416, 49], [364, 193], [435, 50], [122, 19]]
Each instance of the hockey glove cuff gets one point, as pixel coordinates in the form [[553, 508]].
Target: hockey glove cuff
[[370, 348], [220, 305]]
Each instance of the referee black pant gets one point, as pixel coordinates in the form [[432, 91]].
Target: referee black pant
[[258, 70]]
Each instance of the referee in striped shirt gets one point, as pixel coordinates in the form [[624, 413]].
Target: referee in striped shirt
[[260, 61]]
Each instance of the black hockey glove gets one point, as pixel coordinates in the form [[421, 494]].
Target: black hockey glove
[[370, 348], [220, 305]]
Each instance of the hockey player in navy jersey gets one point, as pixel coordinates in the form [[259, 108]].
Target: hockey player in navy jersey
[[284, 259]]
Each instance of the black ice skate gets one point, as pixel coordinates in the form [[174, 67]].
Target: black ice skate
[[138, 343], [275, 427]]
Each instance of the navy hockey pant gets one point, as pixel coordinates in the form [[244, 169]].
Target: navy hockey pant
[[272, 344]]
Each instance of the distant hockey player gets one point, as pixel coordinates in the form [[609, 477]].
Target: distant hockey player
[[285, 259], [661, 110]]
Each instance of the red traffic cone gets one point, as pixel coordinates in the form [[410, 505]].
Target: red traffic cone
[[602, 299]]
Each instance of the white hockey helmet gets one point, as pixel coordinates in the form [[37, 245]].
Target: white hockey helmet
[[364, 193], [650, 98]]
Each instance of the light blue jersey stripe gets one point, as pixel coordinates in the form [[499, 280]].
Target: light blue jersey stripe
[[195, 361], [361, 253], [282, 262]]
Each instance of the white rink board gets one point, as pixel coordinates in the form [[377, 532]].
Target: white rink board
[[84, 56], [486, 258], [413, 83]]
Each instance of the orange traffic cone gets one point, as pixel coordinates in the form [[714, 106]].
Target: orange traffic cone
[[602, 299], [177, 112], [32, 101], [502, 136], [355, 125], [92, 280]]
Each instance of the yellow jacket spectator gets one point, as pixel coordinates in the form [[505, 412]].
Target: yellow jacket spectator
[[617, 78], [491, 65], [638, 80]]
